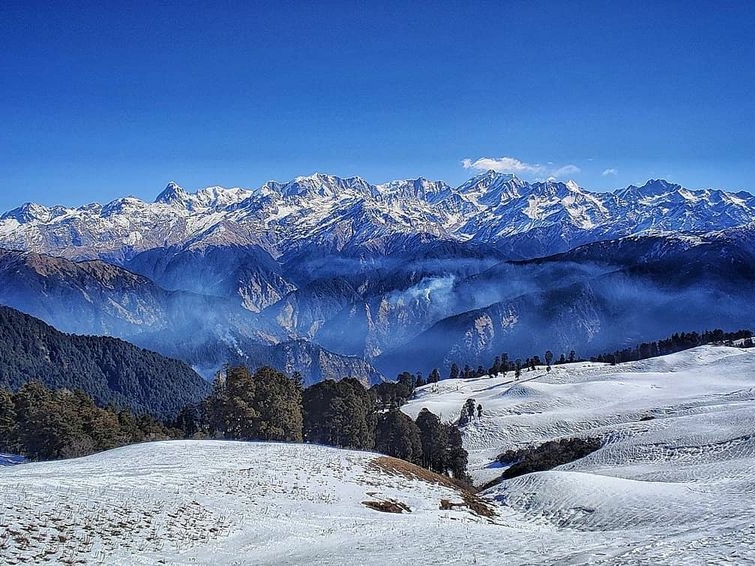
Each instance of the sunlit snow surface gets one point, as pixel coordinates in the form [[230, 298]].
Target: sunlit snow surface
[[677, 489]]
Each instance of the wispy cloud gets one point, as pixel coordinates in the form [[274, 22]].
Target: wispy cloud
[[566, 170], [518, 167], [608, 172]]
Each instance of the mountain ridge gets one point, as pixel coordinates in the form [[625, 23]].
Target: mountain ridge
[[523, 219], [108, 369], [206, 331], [369, 273]]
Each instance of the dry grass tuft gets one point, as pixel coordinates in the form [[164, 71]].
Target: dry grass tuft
[[471, 501], [389, 506]]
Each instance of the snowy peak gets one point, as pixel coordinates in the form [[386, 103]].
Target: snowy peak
[[173, 194], [658, 186], [653, 188], [28, 212], [420, 188], [492, 188], [324, 186], [125, 205], [204, 199], [523, 219]]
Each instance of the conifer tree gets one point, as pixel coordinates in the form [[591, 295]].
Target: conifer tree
[[340, 413], [433, 444], [495, 369], [263, 406], [454, 374], [398, 435], [7, 422]]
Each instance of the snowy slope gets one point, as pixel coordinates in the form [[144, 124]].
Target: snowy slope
[[672, 490], [219, 502]]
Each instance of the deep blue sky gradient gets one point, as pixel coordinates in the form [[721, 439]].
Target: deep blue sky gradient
[[100, 100]]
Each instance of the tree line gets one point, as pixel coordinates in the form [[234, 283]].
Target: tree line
[[268, 405], [675, 343], [42, 424], [501, 364], [45, 424]]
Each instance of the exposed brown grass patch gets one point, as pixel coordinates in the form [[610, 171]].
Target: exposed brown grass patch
[[448, 505], [389, 506], [471, 501]]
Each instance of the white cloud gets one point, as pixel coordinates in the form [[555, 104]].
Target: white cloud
[[502, 165], [566, 170], [517, 167], [608, 172]]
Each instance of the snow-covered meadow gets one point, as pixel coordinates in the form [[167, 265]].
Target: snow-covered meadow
[[675, 488], [675, 478]]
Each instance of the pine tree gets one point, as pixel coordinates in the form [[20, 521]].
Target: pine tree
[[397, 435], [495, 369], [340, 413], [467, 412], [456, 457], [435, 375], [278, 405], [7, 422], [406, 382], [231, 405], [430, 433], [454, 374]]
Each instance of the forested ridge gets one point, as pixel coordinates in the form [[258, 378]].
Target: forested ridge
[[110, 370]]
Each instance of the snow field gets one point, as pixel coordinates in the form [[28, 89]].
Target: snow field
[[672, 484], [674, 479]]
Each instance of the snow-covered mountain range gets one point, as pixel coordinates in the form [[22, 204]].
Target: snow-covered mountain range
[[324, 272], [350, 215]]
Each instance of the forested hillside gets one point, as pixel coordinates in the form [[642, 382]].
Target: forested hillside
[[110, 370]]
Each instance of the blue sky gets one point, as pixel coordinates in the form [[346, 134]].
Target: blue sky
[[100, 100]]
